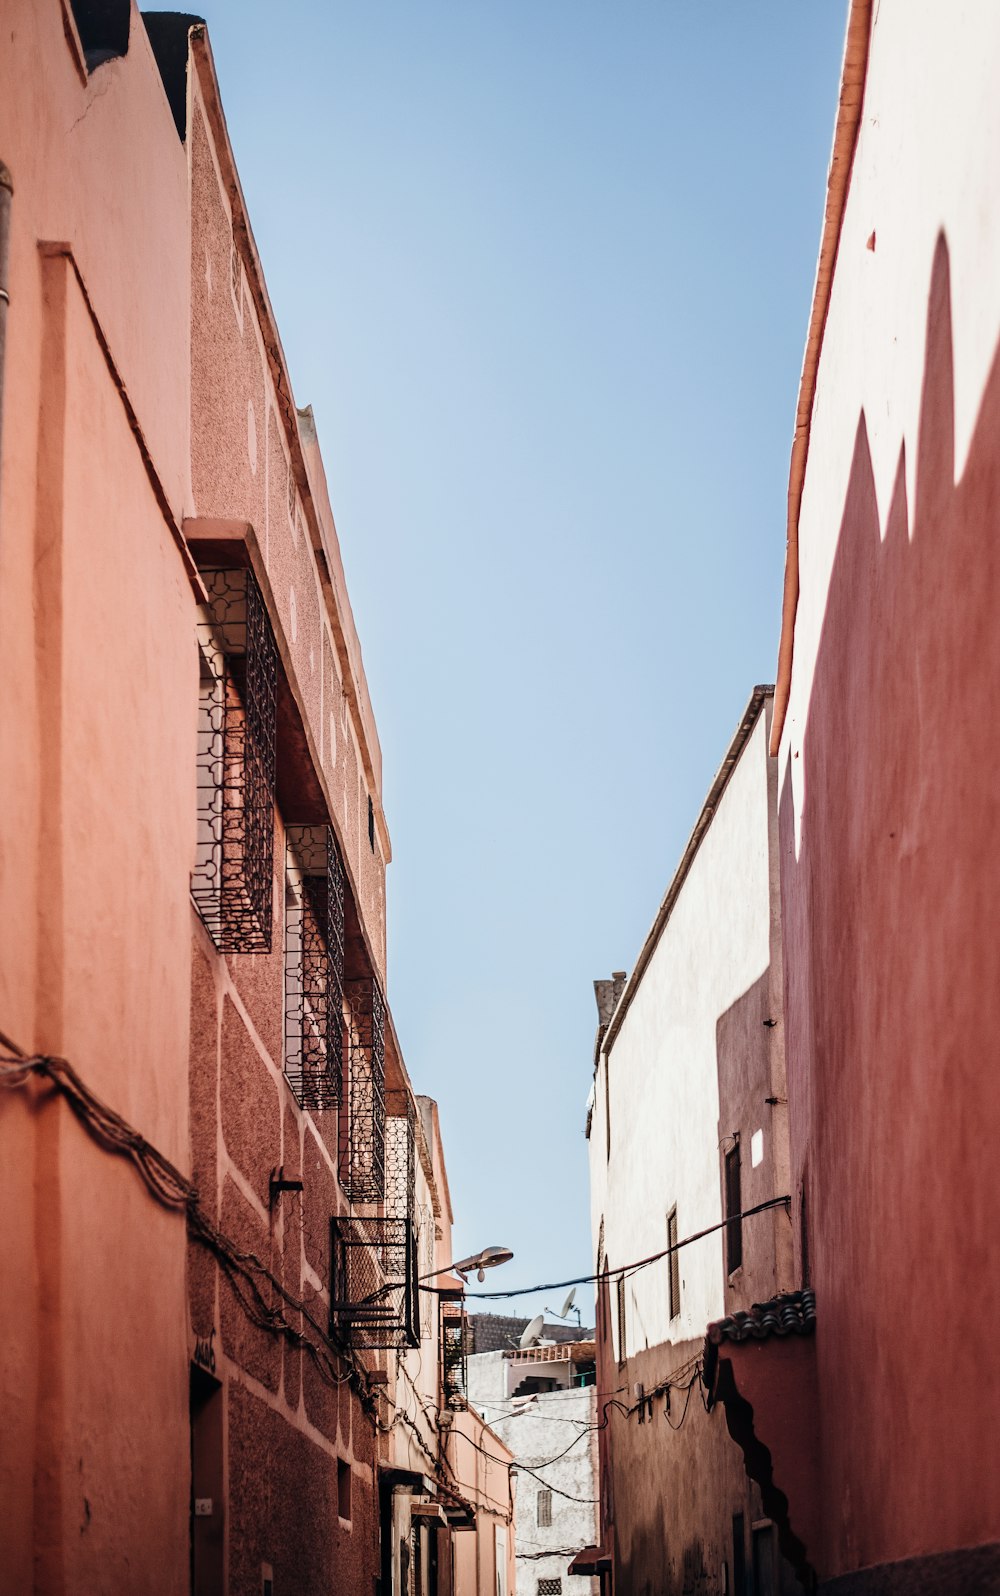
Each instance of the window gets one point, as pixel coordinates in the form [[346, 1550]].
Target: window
[[343, 1488], [734, 1209], [314, 966], [362, 1148], [673, 1266], [103, 26], [543, 1510], [371, 823], [620, 1285], [234, 860], [739, 1555], [550, 1587], [765, 1563], [373, 1282]]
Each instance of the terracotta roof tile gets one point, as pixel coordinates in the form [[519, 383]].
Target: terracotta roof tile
[[791, 1314]]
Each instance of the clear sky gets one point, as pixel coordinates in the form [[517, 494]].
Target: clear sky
[[543, 269]]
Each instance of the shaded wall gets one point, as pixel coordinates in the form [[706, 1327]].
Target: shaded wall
[[96, 831], [889, 819]]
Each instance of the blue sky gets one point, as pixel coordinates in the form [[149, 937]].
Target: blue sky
[[543, 269]]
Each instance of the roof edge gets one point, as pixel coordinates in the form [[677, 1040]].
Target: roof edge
[[853, 78], [755, 704]]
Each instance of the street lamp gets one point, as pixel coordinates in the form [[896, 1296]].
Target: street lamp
[[489, 1258]]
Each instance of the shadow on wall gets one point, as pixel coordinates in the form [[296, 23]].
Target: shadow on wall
[[891, 916]]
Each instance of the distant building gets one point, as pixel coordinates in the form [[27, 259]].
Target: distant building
[[687, 1130], [496, 1332], [542, 1401]]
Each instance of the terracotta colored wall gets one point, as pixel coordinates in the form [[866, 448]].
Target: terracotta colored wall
[[95, 837], [889, 811], [241, 455], [287, 1428]]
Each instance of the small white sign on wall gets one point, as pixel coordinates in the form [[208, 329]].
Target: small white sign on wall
[[757, 1148]]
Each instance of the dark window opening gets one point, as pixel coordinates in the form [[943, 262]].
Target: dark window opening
[[343, 1488], [765, 1567], [103, 26], [734, 1209], [371, 823], [804, 1235], [673, 1265], [739, 1555]]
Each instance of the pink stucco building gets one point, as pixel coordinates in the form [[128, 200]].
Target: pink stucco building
[[890, 843], [221, 1271]]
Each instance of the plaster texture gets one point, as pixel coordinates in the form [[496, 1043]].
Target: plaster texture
[[690, 1050], [889, 817], [554, 1422], [94, 611]]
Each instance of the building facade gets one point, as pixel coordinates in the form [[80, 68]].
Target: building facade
[[889, 843], [688, 1139], [542, 1401], [224, 1361]]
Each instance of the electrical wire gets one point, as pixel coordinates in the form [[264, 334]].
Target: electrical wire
[[624, 1270]]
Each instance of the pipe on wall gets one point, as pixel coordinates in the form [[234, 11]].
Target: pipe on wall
[[6, 196]]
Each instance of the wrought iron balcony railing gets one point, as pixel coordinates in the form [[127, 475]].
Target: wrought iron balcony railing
[[234, 865], [314, 966]]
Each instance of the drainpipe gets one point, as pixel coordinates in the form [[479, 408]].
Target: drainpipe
[[6, 195]]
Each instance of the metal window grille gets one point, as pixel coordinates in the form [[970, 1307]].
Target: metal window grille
[[543, 1509], [400, 1163], [314, 966], [673, 1265], [454, 1354], [373, 1282], [734, 1210], [234, 863], [400, 1180], [362, 1164], [550, 1587]]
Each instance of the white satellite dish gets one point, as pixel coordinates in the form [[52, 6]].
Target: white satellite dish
[[567, 1305], [532, 1332]]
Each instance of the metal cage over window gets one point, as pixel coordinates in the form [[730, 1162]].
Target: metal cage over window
[[373, 1282], [362, 1160], [454, 1354], [400, 1163], [314, 966], [234, 864]]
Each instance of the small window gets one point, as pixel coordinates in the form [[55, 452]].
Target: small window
[[622, 1353], [343, 1488], [673, 1265], [734, 1209], [765, 1562], [550, 1587], [371, 823], [739, 1555], [103, 26], [543, 1509]]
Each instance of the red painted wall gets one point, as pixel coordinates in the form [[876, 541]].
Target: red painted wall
[[891, 917]]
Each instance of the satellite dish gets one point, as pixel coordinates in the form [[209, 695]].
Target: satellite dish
[[567, 1305], [532, 1331]]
